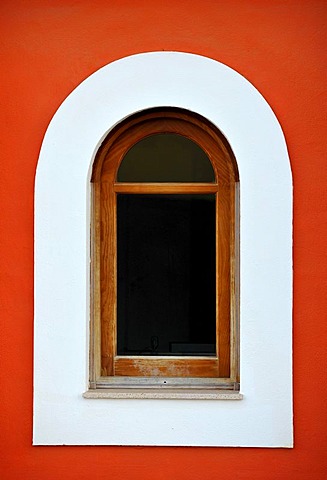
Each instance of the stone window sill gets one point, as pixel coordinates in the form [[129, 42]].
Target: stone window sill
[[163, 393]]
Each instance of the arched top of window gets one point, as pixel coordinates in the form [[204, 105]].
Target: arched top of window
[[165, 157], [165, 145]]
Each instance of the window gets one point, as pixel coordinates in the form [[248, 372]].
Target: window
[[164, 263]]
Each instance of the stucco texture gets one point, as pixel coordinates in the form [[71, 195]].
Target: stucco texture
[[48, 48]]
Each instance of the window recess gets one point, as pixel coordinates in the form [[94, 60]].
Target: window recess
[[164, 256]]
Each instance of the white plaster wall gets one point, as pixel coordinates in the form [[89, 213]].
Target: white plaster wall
[[62, 219]]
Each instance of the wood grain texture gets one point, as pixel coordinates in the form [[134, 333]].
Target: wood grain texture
[[165, 188], [223, 273], [108, 277], [166, 367], [235, 284], [95, 303]]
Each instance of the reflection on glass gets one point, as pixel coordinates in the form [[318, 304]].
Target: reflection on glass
[[166, 157], [166, 274]]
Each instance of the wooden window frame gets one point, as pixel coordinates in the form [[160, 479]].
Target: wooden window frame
[[107, 369]]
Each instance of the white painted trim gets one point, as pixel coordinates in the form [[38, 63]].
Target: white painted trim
[[62, 218]]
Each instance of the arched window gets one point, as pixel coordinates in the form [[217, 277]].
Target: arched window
[[164, 261]]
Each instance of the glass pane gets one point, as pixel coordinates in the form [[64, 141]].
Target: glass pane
[[166, 274], [166, 157]]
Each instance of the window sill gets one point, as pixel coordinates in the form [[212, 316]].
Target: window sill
[[163, 393]]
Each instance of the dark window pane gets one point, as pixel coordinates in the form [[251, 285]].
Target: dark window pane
[[166, 275], [166, 158]]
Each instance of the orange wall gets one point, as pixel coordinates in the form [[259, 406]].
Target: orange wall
[[48, 48]]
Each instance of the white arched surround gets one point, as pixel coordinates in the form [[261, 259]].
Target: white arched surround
[[62, 255]]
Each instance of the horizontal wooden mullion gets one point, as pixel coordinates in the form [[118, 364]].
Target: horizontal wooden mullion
[[166, 367], [157, 188]]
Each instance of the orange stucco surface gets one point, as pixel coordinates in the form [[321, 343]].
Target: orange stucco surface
[[47, 49]]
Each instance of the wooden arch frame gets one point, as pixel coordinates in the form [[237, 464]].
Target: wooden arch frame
[[105, 364]]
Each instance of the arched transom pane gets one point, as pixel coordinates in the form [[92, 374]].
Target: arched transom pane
[[166, 157]]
